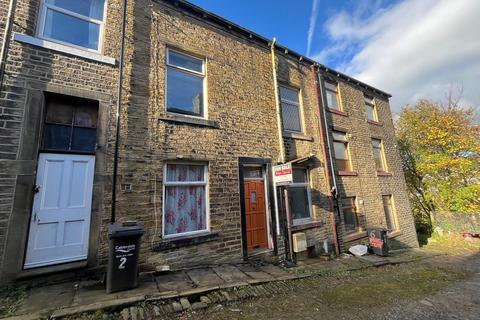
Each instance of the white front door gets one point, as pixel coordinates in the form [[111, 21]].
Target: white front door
[[60, 222]]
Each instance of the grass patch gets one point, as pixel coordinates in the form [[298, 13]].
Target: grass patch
[[453, 244], [10, 299], [386, 286]]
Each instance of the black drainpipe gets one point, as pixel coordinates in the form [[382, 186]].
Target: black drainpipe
[[6, 40], [334, 190], [119, 102]]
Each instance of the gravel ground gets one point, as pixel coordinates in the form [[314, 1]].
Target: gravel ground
[[443, 287]]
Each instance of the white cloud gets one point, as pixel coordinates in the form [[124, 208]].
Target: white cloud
[[413, 49], [312, 24]]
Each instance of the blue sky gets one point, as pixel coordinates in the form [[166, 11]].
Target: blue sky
[[409, 48]]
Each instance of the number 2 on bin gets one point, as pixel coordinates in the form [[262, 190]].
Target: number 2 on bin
[[122, 263]]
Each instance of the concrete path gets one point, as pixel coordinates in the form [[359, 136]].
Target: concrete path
[[59, 300]]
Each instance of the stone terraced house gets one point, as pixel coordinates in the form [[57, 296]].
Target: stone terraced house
[[208, 109]]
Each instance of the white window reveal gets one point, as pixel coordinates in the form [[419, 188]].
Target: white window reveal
[[299, 198], [185, 84], [185, 209], [77, 23], [291, 115]]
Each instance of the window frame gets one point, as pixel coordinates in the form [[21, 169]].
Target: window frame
[[337, 95], [355, 211], [370, 101], [297, 222], [393, 213], [298, 104], [205, 183], [346, 144], [202, 75], [40, 30], [382, 155]]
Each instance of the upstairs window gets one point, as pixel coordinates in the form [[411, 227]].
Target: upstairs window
[[299, 199], [350, 216], [73, 22], [185, 84], [331, 90], [291, 116], [340, 148], [185, 199], [70, 125], [379, 155], [370, 109], [388, 209]]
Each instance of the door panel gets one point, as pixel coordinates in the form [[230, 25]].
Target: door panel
[[256, 219], [60, 222]]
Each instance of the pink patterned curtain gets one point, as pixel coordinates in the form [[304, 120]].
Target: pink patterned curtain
[[185, 208]]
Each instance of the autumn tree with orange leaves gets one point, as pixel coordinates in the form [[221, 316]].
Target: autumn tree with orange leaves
[[440, 149]]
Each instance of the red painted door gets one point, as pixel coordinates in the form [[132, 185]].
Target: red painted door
[[255, 215]]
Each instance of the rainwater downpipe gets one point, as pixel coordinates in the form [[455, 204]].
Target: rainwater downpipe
[[331, 173], [281, 159], [117, 120], [6, 40]]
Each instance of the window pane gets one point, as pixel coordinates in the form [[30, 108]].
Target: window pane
[[184, 93], [183, 61], [289, 94], [90, 8], [299, 175], [183, 173], [368, 100], [185, 209], [370, 112], [341, 136], [377, 143], [343, 165], [84, 139], [56, 137], [350, 219], [331, 86], [332, 101], [388, 209], [340, 150], [291, 117], [86, 116], [298, 202], [58, 112], [252, 172], [76, 31]]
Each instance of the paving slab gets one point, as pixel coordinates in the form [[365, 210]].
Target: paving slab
[[275, 271], [254, 273], [205, 277], [230, 274], [375, 260], [47, 297], [176, 281]]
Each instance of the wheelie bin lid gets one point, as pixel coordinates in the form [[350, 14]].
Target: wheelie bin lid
[[125, 229]]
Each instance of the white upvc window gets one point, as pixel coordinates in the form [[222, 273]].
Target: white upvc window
[[291, 112], [77, 23], [299, 197], [185, 199], [185, 84]]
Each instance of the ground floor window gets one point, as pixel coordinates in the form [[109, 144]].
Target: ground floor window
[[350, 216], [389, 213], [299, 200], [185, 199]]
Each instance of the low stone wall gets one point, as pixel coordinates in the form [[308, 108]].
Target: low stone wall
[[456, 221]]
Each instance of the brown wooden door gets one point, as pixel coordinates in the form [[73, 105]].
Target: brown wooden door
[[255, 215]]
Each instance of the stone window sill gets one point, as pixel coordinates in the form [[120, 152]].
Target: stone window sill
[[297, 136], [355, 236], [383, 174], [175, 243], [347, 173], [63, 48], [189, 120], [377, 123], [307, 225], [335, 111]]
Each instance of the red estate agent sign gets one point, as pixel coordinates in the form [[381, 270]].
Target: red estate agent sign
[[282, 174]]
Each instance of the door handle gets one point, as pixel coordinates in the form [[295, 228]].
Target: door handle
[[36, 188]]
